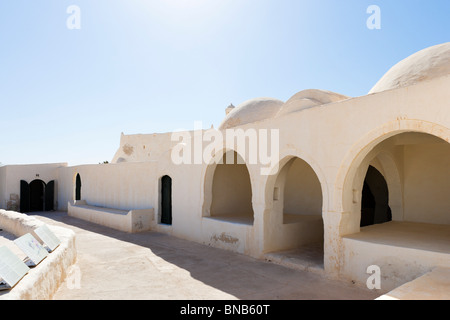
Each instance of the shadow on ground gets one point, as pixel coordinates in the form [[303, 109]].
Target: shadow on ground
[[151, 265]]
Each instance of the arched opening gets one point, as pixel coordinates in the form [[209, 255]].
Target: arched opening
[[231, 197], [413, 158], [294, 224], [78, 187], [302, 192], [166, 200], [375, 199], [37, 195], [412, 186]]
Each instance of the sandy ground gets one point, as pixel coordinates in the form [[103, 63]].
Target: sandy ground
[[152, 266]]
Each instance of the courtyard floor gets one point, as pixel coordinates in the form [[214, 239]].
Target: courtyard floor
[[116, 265]]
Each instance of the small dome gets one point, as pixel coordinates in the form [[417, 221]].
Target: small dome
[[251, 111], [427, 64], [310, 98]]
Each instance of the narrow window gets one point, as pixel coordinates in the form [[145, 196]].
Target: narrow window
[[166, 200]]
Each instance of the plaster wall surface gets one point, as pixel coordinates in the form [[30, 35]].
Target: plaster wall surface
[[302, 192], [123, 186], [232, 191], [427, 183], [146, 147]]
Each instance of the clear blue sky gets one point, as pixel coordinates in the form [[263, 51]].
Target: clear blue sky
[[143, 66]]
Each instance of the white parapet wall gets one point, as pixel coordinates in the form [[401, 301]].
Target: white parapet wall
[[131, 221], [42, 281]]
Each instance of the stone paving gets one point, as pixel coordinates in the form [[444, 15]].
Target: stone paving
[[153, 266]]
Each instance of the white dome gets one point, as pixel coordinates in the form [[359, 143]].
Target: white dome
[[427, 64], [309, 98], [251, 111]]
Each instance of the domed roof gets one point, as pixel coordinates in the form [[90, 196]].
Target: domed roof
[[310, 98], [251, 111], [427, 64]]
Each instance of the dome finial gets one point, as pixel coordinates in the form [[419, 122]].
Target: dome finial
[[229, 109]]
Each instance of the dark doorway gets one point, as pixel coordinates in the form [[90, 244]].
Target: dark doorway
[[78, 187], [49, 195], [37, 195], [375, 199], [24, 196], [166, 200]]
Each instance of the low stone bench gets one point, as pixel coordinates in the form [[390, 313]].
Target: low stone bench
[[131, 221]]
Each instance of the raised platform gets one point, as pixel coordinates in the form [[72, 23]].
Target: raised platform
[[434, 285], [239, 219], [131, 221], [305, 258], [404, 251]]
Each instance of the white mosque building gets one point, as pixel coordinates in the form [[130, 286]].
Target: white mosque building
[[358, 181]]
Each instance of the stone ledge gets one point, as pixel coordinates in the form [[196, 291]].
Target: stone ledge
[[131, 221], [42, 281], [434, 285]]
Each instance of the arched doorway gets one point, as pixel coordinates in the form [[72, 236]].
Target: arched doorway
[[166, 200], [49, 195], [293, 222], [24, 196], [78, 187], [37, 195], [231, 190], [415, 169], [412, 186], [375, 199]]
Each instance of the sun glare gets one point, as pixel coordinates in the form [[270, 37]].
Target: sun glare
[[185, 3]]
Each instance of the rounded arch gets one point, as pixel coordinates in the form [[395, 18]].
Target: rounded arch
[[77, 186], [286, 156], [383, 161], [165, 200], [227, 188], [294, 199], [351, 175], [207, 179], [37, 195]]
